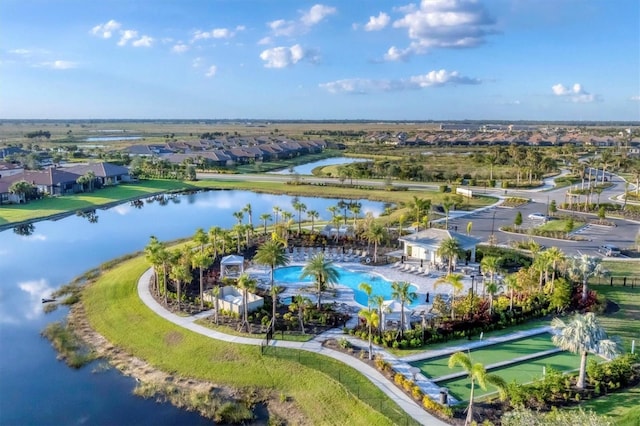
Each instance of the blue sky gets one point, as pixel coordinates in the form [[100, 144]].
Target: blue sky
[[293, 59]]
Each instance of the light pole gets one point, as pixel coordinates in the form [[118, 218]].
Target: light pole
[[493, 222]]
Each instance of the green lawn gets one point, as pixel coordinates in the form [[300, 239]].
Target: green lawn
[[114, 310], [492, 354], [622, 407], [559, 225]]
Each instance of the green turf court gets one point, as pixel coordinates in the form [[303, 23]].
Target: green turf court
[[500, 352], [523, 372]]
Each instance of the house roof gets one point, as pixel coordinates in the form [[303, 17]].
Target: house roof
[[104, 170], [232, 259], [432, 238]]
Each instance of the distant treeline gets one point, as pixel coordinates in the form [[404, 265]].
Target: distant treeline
[[39, 134]]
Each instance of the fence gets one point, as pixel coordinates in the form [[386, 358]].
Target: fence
[[347, 376], [618, 281]]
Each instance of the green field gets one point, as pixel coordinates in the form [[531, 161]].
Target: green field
[[437, 367]]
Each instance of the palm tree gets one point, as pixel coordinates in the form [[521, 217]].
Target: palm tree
[[246, 284], [355, 208], [180, 271], [273, 292], [272, 254], [264, 217], [375, 234], [490, 264], [313, 215], [450, 249], [581, 335], [373, 320], [477, 374], [323, 272], [512, 282], [152, 254], [455, 281], [215, 291], [201, 260], [378, 302], [492, 289], [238, 228], [249, 211], [366, 288], [301, 303], [299, 207], [215, 236], [447, 203], [586, 267], [276, 211], [556, 257], [402, 292], [239, 216], [401, 220]]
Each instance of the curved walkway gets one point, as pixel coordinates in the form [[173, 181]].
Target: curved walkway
[[315, 345]]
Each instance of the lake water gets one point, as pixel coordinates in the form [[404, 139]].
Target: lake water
[[306, 169], [37, 389]]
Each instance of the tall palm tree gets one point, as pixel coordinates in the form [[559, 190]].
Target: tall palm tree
[[246, 284], [355, 208], [272, 254], [366, 288], [249, 211], [180, 270], [313, 215], [490, 264], [586, 267], [215, 291], [301, 303], [201, 260], [215, 237], [239, 216], [447, 204], [511, 281], [373, 320], [299, 207], [556, 257], [477, 374], [375, 234], [455, 281], [401, 220], [322, 271], [273, 292], [402, 292], [378, 301], [450, 249], [276, 211], [152, 251], [581, 335], [264, 217], [238, 229]]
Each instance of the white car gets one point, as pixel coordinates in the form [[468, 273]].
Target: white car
[[537, 216]]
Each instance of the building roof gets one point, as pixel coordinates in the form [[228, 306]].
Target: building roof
[[432, 238], [104, 170]]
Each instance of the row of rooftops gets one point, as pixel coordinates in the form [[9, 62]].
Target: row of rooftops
[[229, 148]]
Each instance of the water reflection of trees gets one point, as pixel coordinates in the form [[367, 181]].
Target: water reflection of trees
[[24, 230], [90, 215], [163, 199], [138, 204]]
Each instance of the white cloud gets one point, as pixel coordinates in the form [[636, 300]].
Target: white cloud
[[211, 71], [635, 98], [197, 62], [395, 54], [36, 289], [180, 48], [60, 65], [281, 57], [444, 24], [126, 36], [316, 14], [22, 52], [112, 27], [144, 41], [377, 23], [106, 30], [576, 93], [265, 40], [431, 79], [217, 33]]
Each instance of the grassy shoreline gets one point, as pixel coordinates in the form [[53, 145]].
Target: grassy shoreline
[[59, 207], [114, 310]]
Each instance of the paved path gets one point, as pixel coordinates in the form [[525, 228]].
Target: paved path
[[314, 345]]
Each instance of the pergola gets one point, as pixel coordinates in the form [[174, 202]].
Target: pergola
[[231, 266]]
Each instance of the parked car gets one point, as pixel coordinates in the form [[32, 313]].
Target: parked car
[[537, 216], [609, 250]]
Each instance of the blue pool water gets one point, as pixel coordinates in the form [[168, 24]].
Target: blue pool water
[[347, 278]]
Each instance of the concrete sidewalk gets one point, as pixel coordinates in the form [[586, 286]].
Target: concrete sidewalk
[[315, 345]]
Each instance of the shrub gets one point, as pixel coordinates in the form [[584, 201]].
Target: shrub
[[398, 379], [434, 407], [416, 392]]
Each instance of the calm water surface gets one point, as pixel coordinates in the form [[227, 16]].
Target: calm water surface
[[35, 388], [306, 169]]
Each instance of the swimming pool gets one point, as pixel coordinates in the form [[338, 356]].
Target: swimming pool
[[347, 278]]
